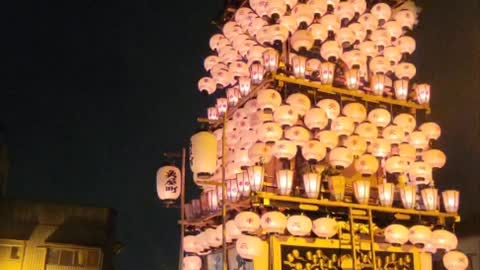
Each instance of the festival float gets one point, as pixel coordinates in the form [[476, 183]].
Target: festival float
[[318, 149]]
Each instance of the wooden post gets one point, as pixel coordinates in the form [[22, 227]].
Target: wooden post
[[182, 210], [224, 192]]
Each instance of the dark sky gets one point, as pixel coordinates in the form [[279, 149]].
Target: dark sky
[[94, 91]]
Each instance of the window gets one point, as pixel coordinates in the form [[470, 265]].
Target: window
[[10, 253], [73, 257]]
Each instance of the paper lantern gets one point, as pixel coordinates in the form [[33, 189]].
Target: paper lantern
[[418, 140], [274, 222], [377, 84], [213, 200], [396, 165], [212, 238], [379, 148], [243, 183], [329, 51], [256, 177], [298, 134], [275, 8], [345, 37], [207, 85], [356, 144], [203, 155], [407, 44], [285, 115], [256, 73], [260, 153], [247, 222], [407, 152], [435, 158], [332, 22], [299, 102], [343, 126], [345, 11], [284, 149], [212, 114], [190, 244], [352, 79], [299, 225], [270, 59], [386, 192], [422, 92], [430, 199], [368, 21], [336, 186], [405, 121], [394, 29], [431, 130], [269, 132], [380, 65], [316, 119], [455, 260], [366, 165], [444, 240], [284, 181], [382, 12], [408, 194], [451, 200], [394, 134], [340, 157], [168, 183], [356, 111], [420, 235], [319, 31], [314, 151], [231, 231], [268, 99], [328, 138], [249, 247], [233, 95], [222, 105], [401, 89], [361, 190], [325, 227], [359, 31], [429, 248], [298, 65], [313, 68], [368, 131], [192, 263], [331, 107], [301, 40], [312, 184], [233, 193], [396, 234], [420, 172], [379, 117]]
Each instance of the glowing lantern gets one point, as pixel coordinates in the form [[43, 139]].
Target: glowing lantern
[[233, 95], [249, 247], [355, 111], [319, 7], [299, 225], [330, 51], [212, 114], [222, 105], [213, 200], [394, 134], [275, 8], [192, 263], [386, 192], [297, 134], [331, 107], [420, 172], [435, 158], [401, 89], [190, 244], [418, 140], [284, 149], [212, 239], [256, 177], [340, 157], [245, 85], [419, 235], [406, 19], [451, 200], [285, 115], [380, 148], [215, 40], [315, 119], [431, 130], [444, 240], [430, 198], [368, 21], [327, 73], [325, 227], [203, 156], [396, 234], [356, 144], [407, 44], [289, 23], [377, 84], [405, 71], [284, 181], [274, 222], [379, 117], [408, 194], [231, 231], [407, 152], [269, 132], [429, 248], [396, 165], [328, 138], [394, 29], [332, 23], [243, 183], [345, 12], [359, 31], [455, 260], [314, 151], [298, 66], [405, 121], [345, 37], [368, 48], [380, 65], [359, 6], [270, 59], [233, 193], [367, 131], [207, 85], [268, 99], [301, 40], [312, 184], [352, 79], [168, 183], [343, 126], [319, 31], [256, 73], [260, 153], [336, 186], [210, 61], [366, 165], [300, 102], [313, 68], [361, 190], [422, 92], [247, 222], [382, 11]]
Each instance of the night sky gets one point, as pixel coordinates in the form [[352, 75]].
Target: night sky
[[94, 91]]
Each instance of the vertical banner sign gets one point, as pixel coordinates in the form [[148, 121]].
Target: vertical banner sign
[[168, 183]]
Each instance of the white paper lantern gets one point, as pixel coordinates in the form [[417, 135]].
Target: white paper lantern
[[396, 234], [331, 107], [260, 153], [300, 102], [284, 149], [231, 231], [340, 157], [356, 111], [328, 138], [455, 260], [285, 115], [379, 148], [203, 155], [299, 225], [356, 144], [420, 172], [316, 119], [366, 165], [274, 222], [298, 134], [367, 130], [268, 99], [343, 126], [396, 164], [284, 182], [249, 247], [314, 150], [269, 132], [431, 130], [190, 244], [435, 158], [312, 184], [168, 183], [325, 227], [418, 140], [192, 263], [444, 240], [379, 117], [247, 222], [420, 235]]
